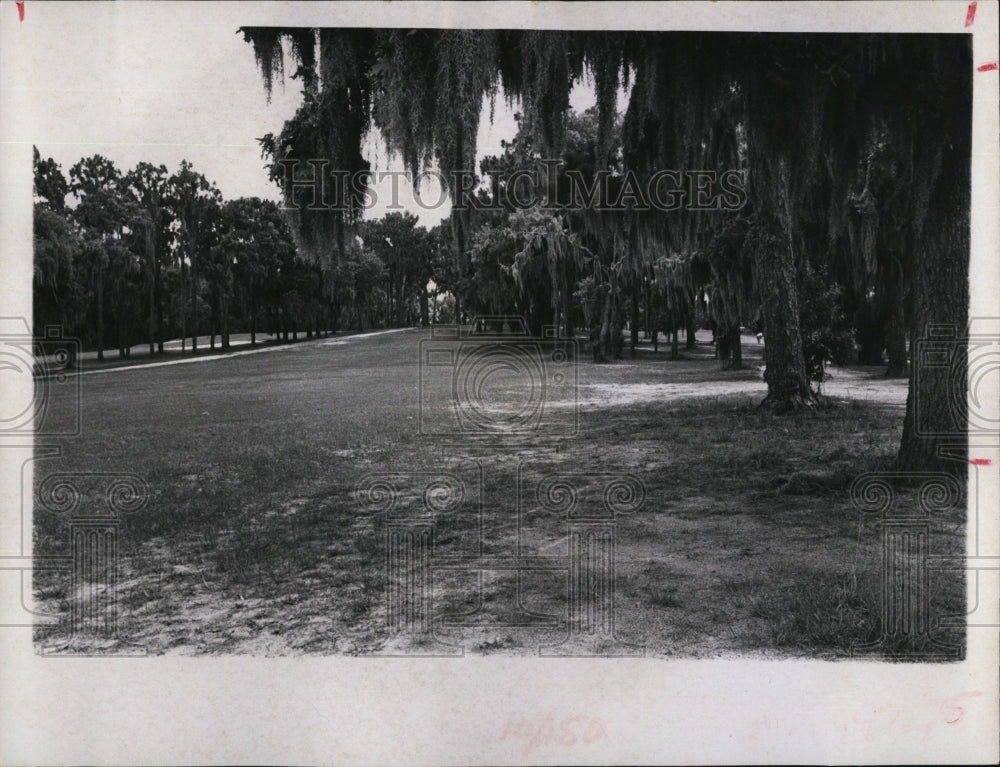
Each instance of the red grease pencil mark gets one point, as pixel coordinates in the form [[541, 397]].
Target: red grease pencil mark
[[987, 67], [20, 10], [981, 462], [954, 713], [970, 15]]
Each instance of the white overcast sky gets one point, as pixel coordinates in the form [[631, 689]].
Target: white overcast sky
[[137, 81]]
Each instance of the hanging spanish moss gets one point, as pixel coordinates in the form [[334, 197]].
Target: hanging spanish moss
[[855, 150], [325, 134], [266, 42]]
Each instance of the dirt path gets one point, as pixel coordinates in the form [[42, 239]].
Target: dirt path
[[847, 383]]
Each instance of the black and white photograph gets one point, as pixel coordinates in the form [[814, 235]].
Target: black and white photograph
[[499, 383]]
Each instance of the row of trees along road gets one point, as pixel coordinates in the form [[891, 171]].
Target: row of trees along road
[[146, 256], [856, 150]]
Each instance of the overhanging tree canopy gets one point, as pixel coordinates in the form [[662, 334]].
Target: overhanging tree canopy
[[796, 111]]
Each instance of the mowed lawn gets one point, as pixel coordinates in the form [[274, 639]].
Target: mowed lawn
[[254, 540]]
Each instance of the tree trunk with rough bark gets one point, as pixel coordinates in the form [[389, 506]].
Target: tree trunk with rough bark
[[689, 327], [936, 404], [776, 278], [602, 349], [736, 348]]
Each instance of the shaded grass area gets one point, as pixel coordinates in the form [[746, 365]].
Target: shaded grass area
[[253, 539]]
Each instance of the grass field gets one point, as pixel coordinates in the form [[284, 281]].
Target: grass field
[[253, 540]]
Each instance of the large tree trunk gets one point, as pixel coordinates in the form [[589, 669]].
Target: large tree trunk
[[786, 375], [936, 403], [601, 347], [777, 154], [722, 351], [616, 343], [736, 348]]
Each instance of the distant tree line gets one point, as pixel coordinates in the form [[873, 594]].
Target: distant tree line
[[146, 256]]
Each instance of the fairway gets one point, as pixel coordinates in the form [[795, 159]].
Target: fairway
[[256, 537]]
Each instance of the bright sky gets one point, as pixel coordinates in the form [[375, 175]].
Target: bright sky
[[189, 91]]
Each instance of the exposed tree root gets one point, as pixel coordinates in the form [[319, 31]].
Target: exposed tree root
[[795, 403]]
